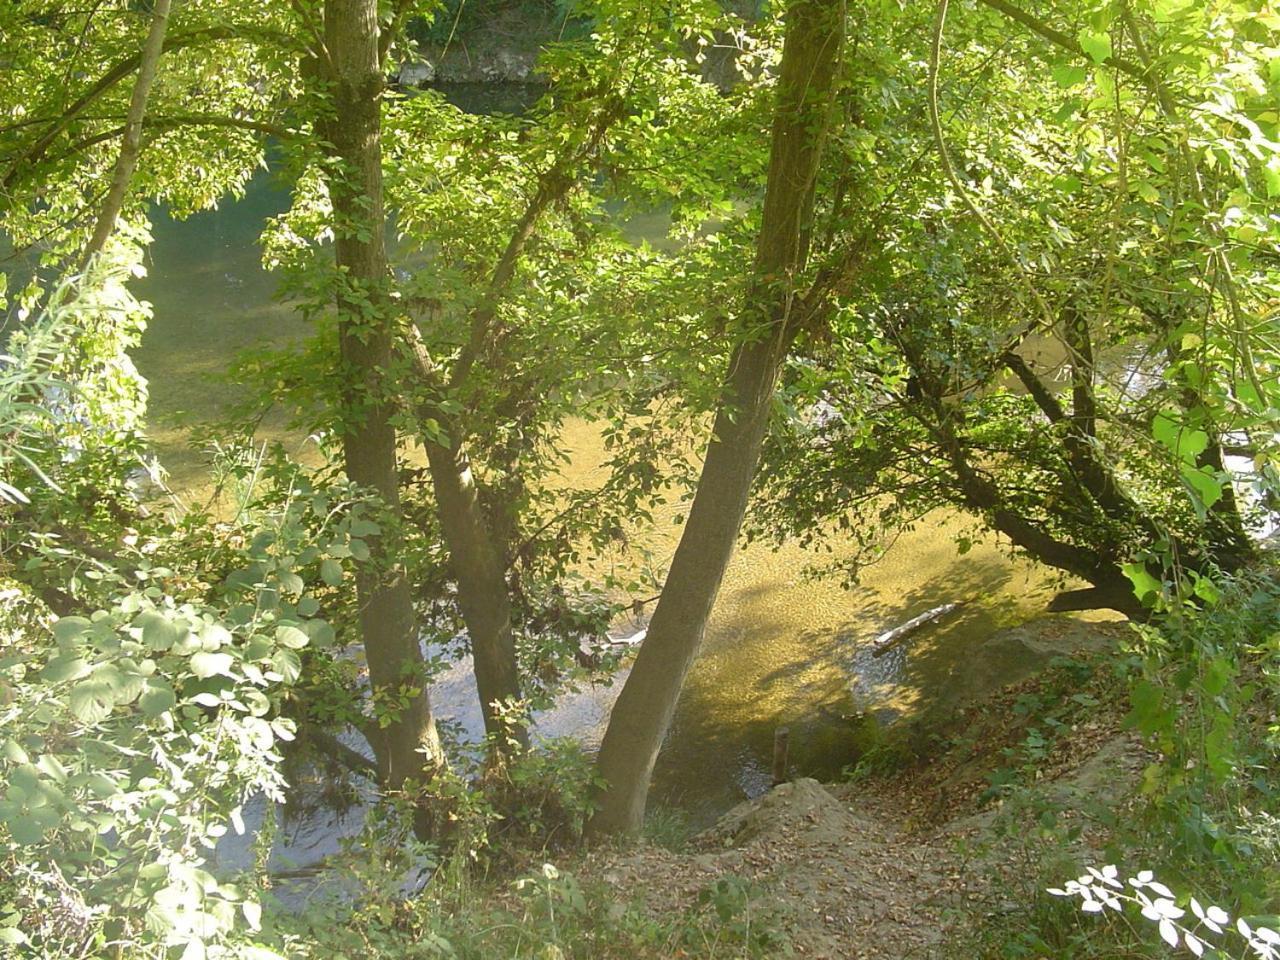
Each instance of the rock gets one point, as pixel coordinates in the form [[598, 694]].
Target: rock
[[415, 73]]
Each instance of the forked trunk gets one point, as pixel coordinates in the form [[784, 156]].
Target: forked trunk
[[643, 712]]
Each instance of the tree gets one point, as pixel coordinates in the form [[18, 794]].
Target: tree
[[406, 744], [767, 322], [1052, 244]]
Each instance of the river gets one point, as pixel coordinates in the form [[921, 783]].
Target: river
[[781, 648]]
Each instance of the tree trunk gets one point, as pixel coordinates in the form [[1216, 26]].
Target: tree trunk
[[131, 140], [478, 567], [643, 712], [408, 747]]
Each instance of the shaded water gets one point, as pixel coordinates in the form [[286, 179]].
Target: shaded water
[[780, 649]]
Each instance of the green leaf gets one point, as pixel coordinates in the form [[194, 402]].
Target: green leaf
[[216, 635], [1148, 713], [62, 669], [68, 629], [1204, 483], [158, 631], [26, 830], [1144, 584], [287, 664], [252, 914], [205, 664], [291, 637], [1217, 675], [1185, 442], [364, 528], [1096, 44], [1069, 75], [331, 571], [1271, 176], [157, 697], [91, 700]]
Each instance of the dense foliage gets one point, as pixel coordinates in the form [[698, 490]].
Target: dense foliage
[[1034, 280]]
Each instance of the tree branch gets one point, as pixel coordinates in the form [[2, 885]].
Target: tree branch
[[123, 68], [1060, 39], [131, 140]]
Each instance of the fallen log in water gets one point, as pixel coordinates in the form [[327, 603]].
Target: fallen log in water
[[891, 638], [589, 653]]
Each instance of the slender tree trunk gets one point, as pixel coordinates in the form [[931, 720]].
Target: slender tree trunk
[[131, 140], [643, 712], [476, 551], [479, 569], [407, 745]]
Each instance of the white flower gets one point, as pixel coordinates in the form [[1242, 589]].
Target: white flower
[[1108, 875], [1264, 943], [1213, 918]]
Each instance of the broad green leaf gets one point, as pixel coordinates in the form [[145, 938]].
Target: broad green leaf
[[1069, 75], [157, 697], [159, 633], [1204, 483], [1148, 713], [91, 700], [331, 571], [68, 629], [291, 637], [364, 528], [1144, 584], [62, 669], [1096, 44], [205, 664], [287, 664]]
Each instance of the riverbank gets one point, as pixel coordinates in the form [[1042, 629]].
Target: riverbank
[[944, 828], [934, 829]]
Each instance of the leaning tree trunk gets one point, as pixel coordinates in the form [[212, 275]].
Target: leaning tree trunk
[[131, 141], [480, 572], [643, 712], [405, 740]]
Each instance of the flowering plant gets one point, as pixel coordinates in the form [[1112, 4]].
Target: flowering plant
[[1101, 889]]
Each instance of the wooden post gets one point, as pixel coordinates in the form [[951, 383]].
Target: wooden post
[[781, 739]]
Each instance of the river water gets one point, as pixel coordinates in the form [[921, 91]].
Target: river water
[[781, 649]]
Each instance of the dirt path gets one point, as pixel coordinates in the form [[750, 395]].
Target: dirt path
[[840, 885]]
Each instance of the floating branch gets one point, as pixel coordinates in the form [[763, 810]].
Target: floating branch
[[891, 638]]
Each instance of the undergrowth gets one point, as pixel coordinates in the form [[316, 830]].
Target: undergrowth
[[1200, 688]]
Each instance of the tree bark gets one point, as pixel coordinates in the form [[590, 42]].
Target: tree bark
[[408, 746], [644, 709], [131, 140], [483, 598], [477, 553]]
